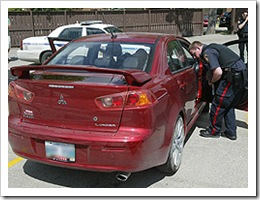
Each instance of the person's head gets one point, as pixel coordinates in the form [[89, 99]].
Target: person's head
[[245, 14], [195, 48]]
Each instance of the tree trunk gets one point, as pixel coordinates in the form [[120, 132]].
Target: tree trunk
[[212, 21]]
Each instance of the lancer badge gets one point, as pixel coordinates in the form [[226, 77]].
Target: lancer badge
[[62, 101]]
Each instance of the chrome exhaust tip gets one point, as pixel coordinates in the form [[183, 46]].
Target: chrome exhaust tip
[[122, 176]]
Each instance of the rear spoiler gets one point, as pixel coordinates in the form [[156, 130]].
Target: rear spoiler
[[133, 77]]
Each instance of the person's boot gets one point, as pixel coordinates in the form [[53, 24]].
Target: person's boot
[[207, 133], [227, 135]]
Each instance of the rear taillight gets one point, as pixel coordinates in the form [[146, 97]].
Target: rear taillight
[[131, 99], [20, 93], [138, 99], [21, 44], [112, 102]]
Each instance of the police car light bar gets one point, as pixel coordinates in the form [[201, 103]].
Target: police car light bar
[[89, 22]]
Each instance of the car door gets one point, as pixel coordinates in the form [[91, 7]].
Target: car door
[[184, 72], [197, 65], [67, 35]]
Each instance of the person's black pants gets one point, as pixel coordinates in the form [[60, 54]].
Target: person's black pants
[[224, 101], [241, 47]]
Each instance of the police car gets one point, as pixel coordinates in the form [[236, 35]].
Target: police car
[[37, 49]]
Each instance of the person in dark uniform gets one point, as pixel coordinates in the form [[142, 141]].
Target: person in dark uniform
[[225, 71], [242, 33]]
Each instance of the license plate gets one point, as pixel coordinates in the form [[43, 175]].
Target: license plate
[[62, 152]]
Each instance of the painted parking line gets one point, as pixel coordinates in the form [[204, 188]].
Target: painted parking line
[[14, 161]]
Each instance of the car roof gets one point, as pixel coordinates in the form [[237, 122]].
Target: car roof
[[87, 25], [138, 37], [57, 31]]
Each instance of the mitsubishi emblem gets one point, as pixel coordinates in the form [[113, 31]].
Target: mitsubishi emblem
[[62, 101]]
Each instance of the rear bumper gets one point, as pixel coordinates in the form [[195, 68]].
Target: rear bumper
[[127, 150]]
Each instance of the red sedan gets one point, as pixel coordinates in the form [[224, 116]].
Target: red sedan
[[122, 103]]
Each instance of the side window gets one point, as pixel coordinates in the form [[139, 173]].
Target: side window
[[91, 31], [176, 56], [187, 53], [71, 33], [190, 60]]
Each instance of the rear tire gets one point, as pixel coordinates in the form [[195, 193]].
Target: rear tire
[[45, 56], [175, 155]]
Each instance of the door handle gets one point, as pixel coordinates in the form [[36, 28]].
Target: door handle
[[182, 85]]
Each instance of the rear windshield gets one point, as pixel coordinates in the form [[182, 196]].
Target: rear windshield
[[113, 55]]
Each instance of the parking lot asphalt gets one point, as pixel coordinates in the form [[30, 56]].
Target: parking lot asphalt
[[207, 163]]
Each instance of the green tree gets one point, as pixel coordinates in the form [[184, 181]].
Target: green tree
[[212, 17]]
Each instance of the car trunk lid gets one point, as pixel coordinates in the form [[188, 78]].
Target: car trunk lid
[[67, 97]]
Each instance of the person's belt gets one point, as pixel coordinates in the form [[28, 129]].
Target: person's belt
[[230, 74]]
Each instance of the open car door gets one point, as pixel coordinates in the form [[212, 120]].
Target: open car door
[[207, 94]]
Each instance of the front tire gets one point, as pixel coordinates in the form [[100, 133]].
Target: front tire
[[175, 154]]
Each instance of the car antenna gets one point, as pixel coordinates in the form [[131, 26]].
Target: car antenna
[[113, 36]]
